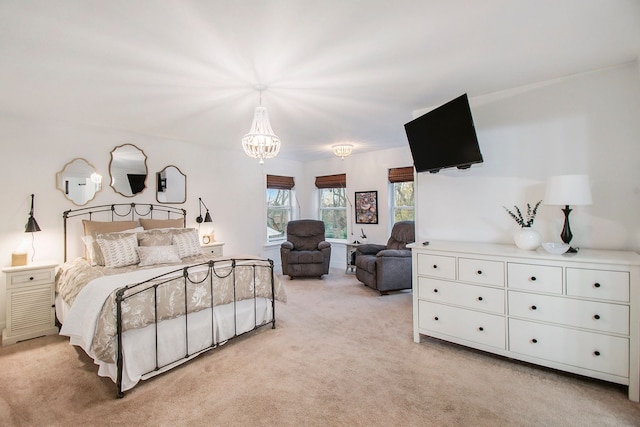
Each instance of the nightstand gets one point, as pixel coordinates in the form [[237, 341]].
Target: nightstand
[[351, 249], [214, 248], [30, 294]]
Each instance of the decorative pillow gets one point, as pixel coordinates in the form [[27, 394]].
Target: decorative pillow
[[119, 252], [149, 224], [159, 236], [93, 252], [152, 255], [188, 244]]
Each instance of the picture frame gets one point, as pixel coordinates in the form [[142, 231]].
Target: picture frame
[[366, 207]]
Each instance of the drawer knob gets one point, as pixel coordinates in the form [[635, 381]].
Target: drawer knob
[[596, 285], [31, 278], [596, 353], [534, 341], [480, 298], [597, 317], [481, 329], [533, 307], [479, 272], [435, 290], [435, 266], [435, 318], [533, 278]]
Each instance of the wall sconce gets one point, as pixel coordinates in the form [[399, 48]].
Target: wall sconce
[[342, 150], [566, 190], [207, 217], [20, 257]]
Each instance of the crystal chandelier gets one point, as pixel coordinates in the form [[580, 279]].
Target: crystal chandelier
[[342, 150], [261, 143]]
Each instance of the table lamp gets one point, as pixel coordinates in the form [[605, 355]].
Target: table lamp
[[567, 190]]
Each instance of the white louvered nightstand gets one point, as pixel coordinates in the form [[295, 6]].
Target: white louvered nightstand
[[30, 297]]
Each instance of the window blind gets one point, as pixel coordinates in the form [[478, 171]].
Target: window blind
[[404, 174], [332, 181], [280, 182]]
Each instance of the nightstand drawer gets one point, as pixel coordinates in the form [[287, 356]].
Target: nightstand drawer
[[537, 278], [481, 271], [441, 267], [30, 278]]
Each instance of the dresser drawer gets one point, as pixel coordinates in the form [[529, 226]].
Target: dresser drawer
[[598, 284], [599, 316], [588, 350], [472, 296], [469, 325], [30, 278], [481, 271], [443, 267], [531, 277]]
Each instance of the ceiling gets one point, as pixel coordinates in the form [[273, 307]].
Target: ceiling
[[335, 70]]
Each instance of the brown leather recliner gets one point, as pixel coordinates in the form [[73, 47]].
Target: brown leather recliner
[[387, 268], [305, 253]]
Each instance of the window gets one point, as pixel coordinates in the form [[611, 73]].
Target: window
[[402, 201], [333, 205], [279, 206]]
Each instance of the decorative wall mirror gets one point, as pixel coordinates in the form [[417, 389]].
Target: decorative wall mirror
[[128, 170], [79, 181], [171, 185]]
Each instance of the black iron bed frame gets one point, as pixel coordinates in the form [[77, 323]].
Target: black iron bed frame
[[152, 285]]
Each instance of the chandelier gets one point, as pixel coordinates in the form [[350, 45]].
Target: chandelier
[[261, 143], [342, 150]]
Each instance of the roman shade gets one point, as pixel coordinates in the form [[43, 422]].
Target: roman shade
[[332, 181], [280, 182], [404, 174]]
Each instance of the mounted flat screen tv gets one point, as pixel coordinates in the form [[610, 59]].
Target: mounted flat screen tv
[[445, 137]]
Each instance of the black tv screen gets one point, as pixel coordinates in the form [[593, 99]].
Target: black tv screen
[[444, 138]]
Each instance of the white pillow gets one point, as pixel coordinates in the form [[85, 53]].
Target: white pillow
[[188, 244], [120, 252], [152, 255]]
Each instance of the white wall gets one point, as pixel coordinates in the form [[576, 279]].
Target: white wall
[[584, 124]]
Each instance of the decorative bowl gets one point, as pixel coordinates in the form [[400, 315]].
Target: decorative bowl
[[555, 247]]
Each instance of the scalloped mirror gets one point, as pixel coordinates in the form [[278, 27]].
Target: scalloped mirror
[[79, 181], [128, 170], [171, 185]]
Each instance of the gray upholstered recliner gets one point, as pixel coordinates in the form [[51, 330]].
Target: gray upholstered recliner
[[387, 268], [305, 253]]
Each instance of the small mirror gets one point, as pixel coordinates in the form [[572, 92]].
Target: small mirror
[[79, 181], [128, 169], [171, 185]]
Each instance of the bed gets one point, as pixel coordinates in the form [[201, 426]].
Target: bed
[[140, 297]]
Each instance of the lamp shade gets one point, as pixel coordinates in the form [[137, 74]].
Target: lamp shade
[[32, 225], [567, 190]]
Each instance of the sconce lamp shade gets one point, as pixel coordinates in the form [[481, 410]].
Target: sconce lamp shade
[[564, 190], [207, 216], [32, 224]]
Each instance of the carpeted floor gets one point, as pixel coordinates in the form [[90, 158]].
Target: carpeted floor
[[340, 355]]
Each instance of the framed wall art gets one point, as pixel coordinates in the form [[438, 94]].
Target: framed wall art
[[366, 207]]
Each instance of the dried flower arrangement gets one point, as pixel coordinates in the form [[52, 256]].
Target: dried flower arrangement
[[521, 220]]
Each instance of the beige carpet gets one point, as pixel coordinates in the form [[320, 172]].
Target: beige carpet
[[341, 355]]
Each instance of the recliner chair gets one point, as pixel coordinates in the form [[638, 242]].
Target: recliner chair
[[387, 268], [305, 253]]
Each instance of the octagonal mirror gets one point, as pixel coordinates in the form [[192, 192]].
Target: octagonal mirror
[[171, 185], [128, 170], [79, 181]]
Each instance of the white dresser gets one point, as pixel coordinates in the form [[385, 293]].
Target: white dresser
[[30, 302], [573, 312]]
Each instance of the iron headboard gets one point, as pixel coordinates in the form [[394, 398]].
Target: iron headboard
[[122, 212]]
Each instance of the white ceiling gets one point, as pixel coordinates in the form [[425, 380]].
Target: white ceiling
[[336, 70]]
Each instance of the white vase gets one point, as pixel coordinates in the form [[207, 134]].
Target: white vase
[[527, 238]]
